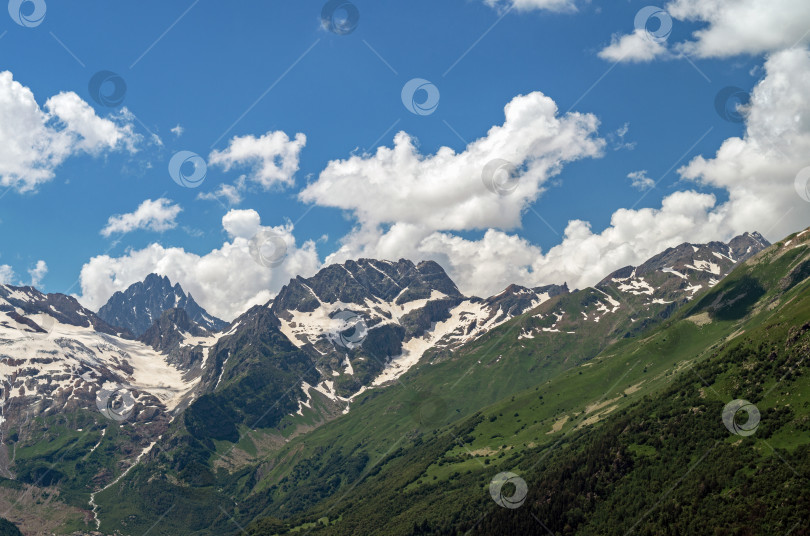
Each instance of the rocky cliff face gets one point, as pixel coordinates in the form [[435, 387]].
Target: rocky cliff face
[[188, 380], [634, 297], [367, 322], [39, 312], [143, 303], [60, 361]]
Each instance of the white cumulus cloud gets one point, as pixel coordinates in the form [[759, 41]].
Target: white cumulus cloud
[[729, 28], [154, 215], [225, 281], [446, 190], [759, 169], [34, 141], [38, 273], [635, 47], [743, 26], [241, 223], [272, 158]]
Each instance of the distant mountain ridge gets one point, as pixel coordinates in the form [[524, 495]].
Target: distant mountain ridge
[[645, 437], [303, 359], [22, 303], [143, 303], [632, 298], [405, 309]]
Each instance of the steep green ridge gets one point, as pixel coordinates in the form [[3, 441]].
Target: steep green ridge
[[242, 452], [636, 430], [500, 364], [255, 376], [239, 443]]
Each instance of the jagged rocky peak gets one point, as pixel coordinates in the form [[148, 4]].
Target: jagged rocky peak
[[354, 282], [515, 299], [714, 259], [402, 308], [635, 297], [747, 245], [143, 303], [34, 311], [171, 328], [60, 358]]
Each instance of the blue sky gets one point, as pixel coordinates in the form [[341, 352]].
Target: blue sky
[[206, 69]]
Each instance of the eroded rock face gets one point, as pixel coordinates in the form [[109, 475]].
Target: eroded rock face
[[634, 297], [59, 360], [367, 322], [143, 303], [25, 305], [322, 340]]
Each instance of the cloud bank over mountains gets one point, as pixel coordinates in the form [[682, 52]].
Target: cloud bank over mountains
[[463, 208], [411, 205]]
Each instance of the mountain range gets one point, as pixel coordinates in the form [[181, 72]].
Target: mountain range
[[153, 410]]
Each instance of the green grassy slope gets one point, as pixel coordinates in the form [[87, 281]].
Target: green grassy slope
[[445, 429], [636, 430], [212, 462]]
